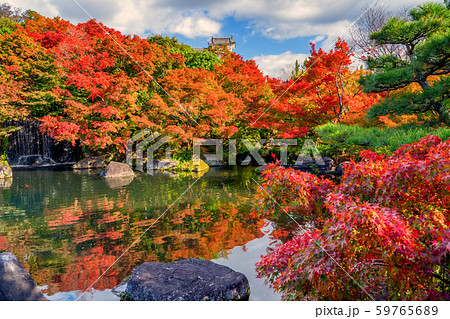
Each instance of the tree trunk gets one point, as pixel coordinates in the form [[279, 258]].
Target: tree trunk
[[444, 113], [438, 106]]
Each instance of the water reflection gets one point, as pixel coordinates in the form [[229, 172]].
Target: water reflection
[[5, 182], [68, 228], [119, 182]]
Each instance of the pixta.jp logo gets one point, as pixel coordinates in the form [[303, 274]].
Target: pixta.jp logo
[[142, 147]]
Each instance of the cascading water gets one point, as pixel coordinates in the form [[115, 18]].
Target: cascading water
[[29, 147]]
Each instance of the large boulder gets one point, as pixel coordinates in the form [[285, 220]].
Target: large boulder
[[117, 170], [93, 162], [15, 282], [184, 280], [5, 171]]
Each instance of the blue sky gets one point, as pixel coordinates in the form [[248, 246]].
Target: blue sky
[[249, 44], [274, 33]]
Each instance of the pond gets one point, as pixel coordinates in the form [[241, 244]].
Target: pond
[[68, 227]]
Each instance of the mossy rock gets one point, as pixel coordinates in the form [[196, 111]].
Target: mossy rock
[[199, 166], [5, 171]]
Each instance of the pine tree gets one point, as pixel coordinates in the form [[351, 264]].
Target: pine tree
[[296, 70], [425, 37]]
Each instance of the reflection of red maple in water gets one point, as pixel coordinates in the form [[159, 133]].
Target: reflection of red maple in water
[[223, 234], [3, 243], [101, 230], [84, 270], [66, 216]]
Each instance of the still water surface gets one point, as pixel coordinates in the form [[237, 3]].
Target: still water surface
[[68, 227]]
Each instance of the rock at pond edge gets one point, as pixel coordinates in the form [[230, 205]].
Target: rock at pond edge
[[162, 164], [212, 160], [90, 163], [16, 283], [184, 280], [199, 166], [5, 171], [117, 170]]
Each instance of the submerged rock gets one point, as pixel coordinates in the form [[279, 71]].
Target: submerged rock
[[15, 282], [90, 163], [117, 170], [184, 280]]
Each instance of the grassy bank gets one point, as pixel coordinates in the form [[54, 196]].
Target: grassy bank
[[342, 142]]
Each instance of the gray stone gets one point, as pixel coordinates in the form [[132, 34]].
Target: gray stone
[[310, 166], [163, 164], [117, 170], [5, 171], [90, 163], [119, 290], [184, 280], [212, 160], [314, 167], [15, 282]]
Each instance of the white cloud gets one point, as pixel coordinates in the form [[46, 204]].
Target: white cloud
[[193, 27], [275, 19], [319, 38], [273, 65], [130, 17], [45, 7]]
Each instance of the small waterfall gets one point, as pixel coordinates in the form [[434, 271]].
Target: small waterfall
[[29, 147]]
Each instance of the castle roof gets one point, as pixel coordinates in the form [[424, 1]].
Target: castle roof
[[228, 40]]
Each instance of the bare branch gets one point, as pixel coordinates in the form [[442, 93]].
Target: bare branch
[[372, 21]]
